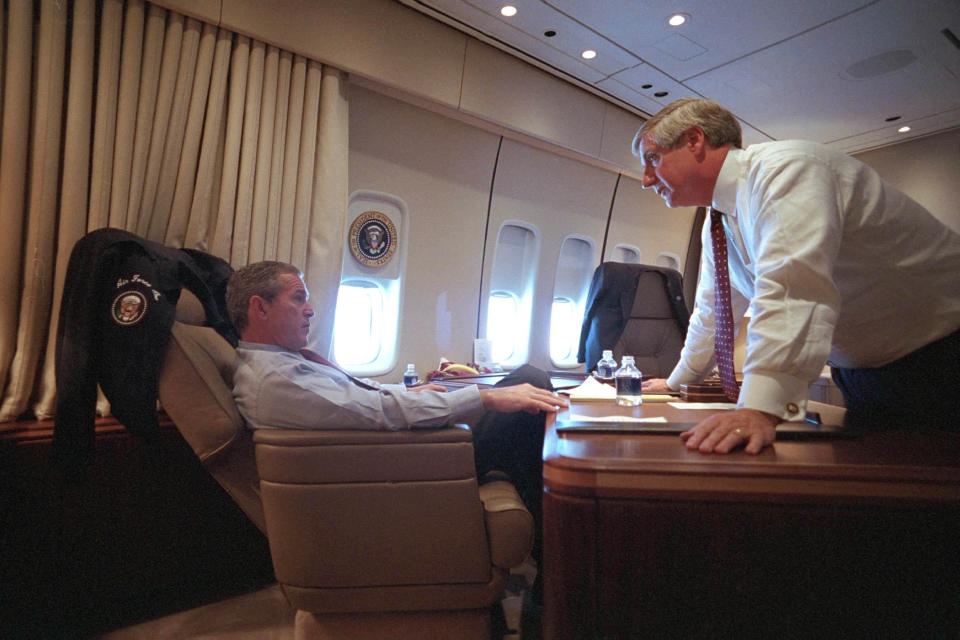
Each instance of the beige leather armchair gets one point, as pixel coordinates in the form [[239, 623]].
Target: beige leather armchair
[[372, 534]]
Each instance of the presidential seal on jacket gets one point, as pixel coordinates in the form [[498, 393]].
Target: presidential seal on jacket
[[373, 239]]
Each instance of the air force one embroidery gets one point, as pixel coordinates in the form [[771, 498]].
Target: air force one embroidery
[[128, 308], [373, 239]]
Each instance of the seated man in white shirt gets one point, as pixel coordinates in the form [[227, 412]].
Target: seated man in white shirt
[[833, 261], [280, 384]]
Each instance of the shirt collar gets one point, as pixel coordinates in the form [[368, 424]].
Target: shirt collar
[[725, 191], [260, 346]]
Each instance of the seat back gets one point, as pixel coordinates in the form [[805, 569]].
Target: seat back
[[636, 310], [196, 384]]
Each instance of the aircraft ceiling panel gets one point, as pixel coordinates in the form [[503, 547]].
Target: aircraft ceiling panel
[[827, 70], [648, 83], [719, 31], [840, 80], [889, 134], [525, 32]]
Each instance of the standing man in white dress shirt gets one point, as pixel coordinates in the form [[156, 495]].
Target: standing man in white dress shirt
[[836, 266]]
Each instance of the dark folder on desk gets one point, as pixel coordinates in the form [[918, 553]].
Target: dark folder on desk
[[785, 430]]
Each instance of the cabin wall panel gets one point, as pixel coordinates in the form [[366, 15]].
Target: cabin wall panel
[[640, 218], [619, 127], [927, 170], [524, 98], [442, 169], [560, 197], [380, 40]]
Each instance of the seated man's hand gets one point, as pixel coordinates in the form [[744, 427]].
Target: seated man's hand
[[428, 387], [722, 432], [521, 397], [656, 385]]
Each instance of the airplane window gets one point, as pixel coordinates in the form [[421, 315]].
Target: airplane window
[[503, 316], [669, 260], [357, 333], [367, 319], [509, 305], [626, 253], [565, 321], [574, 270]]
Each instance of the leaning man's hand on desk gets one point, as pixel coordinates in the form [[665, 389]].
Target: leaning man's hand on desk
[[723, 432]]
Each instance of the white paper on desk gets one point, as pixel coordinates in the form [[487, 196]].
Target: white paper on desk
[[578, 418], [703, 405], [591, 389]]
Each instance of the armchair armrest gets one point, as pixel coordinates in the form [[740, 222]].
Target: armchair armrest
[[509, 524], [353, 509]]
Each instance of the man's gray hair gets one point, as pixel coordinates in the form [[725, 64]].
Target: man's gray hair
[[257, 279], [667, 127]]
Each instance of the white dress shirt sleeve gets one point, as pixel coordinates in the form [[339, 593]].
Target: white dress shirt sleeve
[[793, 229]]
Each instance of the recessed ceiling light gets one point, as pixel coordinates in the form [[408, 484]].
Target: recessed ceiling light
[[508, 11], [589, 54], [903, 129], [677, 19]]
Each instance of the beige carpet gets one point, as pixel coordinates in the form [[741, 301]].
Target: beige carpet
[[265, 615]]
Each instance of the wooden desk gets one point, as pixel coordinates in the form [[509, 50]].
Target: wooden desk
[[643, 538]]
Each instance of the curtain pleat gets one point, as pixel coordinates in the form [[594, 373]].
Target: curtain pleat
[[186, 174], [205, 199], [271, 248], [327, 209], [172, 143], [160, 123], [261, 182], [128, 187], [131, 57], [193, 136], [230, 162], [105, 124], [74, 189], [13, 173], [36, 294], [239, 253], [307, 163], [291, 159]]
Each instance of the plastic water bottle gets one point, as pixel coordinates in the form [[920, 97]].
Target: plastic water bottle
[[606, 367], [410, 376], [629, 393]]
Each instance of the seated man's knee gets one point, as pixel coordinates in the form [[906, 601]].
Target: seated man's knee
[[527, 374]]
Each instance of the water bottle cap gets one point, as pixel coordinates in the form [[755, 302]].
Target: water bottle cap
[[628, 359], [410, 367], [607, 354]]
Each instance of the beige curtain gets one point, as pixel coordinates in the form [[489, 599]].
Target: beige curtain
[[120, 113]]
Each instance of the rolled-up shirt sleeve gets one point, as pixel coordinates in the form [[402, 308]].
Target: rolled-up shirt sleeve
[[796, 227]]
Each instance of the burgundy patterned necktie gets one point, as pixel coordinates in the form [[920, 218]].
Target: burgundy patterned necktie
[[723, 312]]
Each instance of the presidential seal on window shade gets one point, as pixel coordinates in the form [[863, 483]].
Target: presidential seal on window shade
[[373, 239]]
